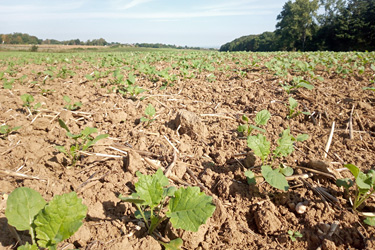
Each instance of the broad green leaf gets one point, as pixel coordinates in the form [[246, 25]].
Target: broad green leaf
[[150, 188], [131, 79], [302, 137], [150, 110], [89, 77], [22, 206], [90, 143], [369, 88], [175, 244], [364, 181], [275, 178], [307, 85], [259, 145], [241, 128], [88, 131], [60, 219], [292, 103], [27, 246], [38, 105], [159, 175], [144, 119], [353, 169], [27, 99], [131, 199], [169, 191], [287, 171], [4, 129], [190, 208], [298, 234], [63, 125], [61, 149], [285, 146], [370, 221], [346, 183], [250, 177], [245, 118], [67, 98], [262, 117]]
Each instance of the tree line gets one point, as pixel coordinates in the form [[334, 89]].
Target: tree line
[[22, 38], [344, 25]]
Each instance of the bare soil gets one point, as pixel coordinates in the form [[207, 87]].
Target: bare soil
[[200, 119]]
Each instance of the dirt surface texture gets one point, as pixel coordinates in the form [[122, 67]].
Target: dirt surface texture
[[199, 99]]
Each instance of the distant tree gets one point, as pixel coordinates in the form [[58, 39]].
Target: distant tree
[[296, 23]]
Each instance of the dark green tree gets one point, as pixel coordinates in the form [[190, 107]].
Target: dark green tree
[[297, 24]]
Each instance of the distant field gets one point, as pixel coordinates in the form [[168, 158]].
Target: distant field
[[48, 47]]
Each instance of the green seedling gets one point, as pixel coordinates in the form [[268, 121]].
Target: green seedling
[[48, 223], [8, 84], [261, 148], [131, 88], [260, 119], [364, 88], [150, 113], [27, 100], [70, 106], [5, 130], [45, 92], [188, 208], [364, 184], [300, 83], [293, 104], [81, 142], [294, 235], [364, 187]]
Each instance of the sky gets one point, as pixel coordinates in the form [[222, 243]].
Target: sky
[[203, 23]]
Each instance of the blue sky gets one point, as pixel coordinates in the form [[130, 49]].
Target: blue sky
[[182, 22]]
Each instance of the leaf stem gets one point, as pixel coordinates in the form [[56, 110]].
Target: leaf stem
[[143, 216]]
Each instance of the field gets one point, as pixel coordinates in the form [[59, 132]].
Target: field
[[200, 99]]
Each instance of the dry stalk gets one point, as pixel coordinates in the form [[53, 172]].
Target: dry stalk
[[329, 140]]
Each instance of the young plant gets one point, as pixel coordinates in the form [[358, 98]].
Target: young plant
[[364, 188], [5, 130], [261, 147], [294, 235], [70, 106], [293, 104], [81, 142], [364, 88], [48, 223], [27, 99], [188, 208], [260, 119], [364, 184], [150, 113], [300, 83]]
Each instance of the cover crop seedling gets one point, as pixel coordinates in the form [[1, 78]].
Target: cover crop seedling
[[260, 119], [69, 106], [293, 104], [364, 187], [48, 223], [188, 208], [261, 147], [5, 130], [81, 142], [150, 113], [27, 99], [294, 235]]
